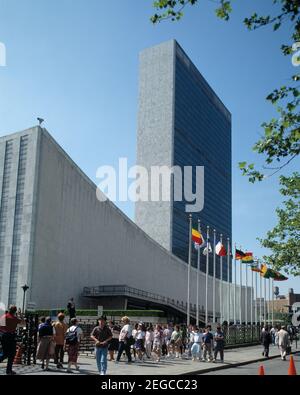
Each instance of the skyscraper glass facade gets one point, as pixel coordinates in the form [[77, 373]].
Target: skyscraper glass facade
[[202, 137]]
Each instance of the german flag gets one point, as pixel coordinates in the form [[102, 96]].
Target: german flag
[[239, 255]]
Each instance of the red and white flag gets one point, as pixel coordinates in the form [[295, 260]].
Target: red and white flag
[[220, 249]]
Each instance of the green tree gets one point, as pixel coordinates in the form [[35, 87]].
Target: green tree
[[284, 239], [280, 142]]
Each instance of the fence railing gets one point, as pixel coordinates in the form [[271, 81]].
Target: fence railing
[[124, 290]]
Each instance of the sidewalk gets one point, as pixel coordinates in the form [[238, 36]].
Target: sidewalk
[[235, 357]]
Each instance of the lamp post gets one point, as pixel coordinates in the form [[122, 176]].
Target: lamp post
[[25, 289]]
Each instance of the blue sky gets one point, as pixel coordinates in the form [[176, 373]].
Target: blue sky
[[75, 63]]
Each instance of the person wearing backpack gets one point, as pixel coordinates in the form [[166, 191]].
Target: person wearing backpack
[[73, 338], [46, 345]]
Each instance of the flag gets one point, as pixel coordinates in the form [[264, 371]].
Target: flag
[[239, 255], [265, 271], [279, 277], [220, 249], [255, 268], [207, 248], [197, 238], [248, 258], [270, 273]]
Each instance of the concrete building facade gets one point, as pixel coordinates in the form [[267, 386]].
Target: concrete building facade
[[57, 237]]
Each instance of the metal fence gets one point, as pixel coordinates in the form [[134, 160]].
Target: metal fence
[[242, 335]]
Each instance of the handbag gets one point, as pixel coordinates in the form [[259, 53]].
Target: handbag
[[288, 350]]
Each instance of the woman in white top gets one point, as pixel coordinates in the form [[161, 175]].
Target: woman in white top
[[140, 341], [196, 340], [149, 341], [134, 333]]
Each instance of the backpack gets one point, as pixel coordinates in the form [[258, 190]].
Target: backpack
[[71, 338]]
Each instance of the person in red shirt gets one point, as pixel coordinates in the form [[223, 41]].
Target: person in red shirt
[[8, 326]]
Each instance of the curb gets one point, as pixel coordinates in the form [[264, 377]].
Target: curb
[[234, 365]]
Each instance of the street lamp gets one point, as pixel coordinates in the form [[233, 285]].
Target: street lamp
[[25, 289]]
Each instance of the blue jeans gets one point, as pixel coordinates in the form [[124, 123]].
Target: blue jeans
[[101, 358]]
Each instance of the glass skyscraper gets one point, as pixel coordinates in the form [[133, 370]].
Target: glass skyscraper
[[182, 122]]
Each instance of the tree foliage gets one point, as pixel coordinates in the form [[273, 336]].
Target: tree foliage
[[284, 239]]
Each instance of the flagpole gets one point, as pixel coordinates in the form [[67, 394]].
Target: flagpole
[[221, 284], [234, 290], [246, 296], [252, 296], [269, 303], [260, 300], [265, 298], [228, 278], [214, 279], [241, 289], [256, 299], [198, 273], [272, 302], [207, 272], [189, 270]]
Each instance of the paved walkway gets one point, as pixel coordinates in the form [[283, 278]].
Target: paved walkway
[[235, 357], [272, 367]]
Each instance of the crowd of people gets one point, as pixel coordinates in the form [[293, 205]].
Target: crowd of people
[[131, 343], [113, 342]]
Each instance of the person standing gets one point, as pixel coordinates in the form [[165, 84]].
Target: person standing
[[283, 342], [149, 341], [266, 340], [207, 344], [8, 326], [71, 309], [125, 340], [176, 341], [60, 328], [101, 335], [196, 343], [113, 345], [167, 338], [73, 338], [46, 347], [219, 344], [272, 332], [157, 342], [140, 341]]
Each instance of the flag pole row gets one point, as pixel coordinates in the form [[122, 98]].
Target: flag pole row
[[247, 260]]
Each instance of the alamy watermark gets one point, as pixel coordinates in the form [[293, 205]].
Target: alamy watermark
[[2, 55], [296, 56], [156, 184]]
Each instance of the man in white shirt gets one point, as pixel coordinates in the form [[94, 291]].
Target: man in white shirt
[[283, 342], [125, 340]]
